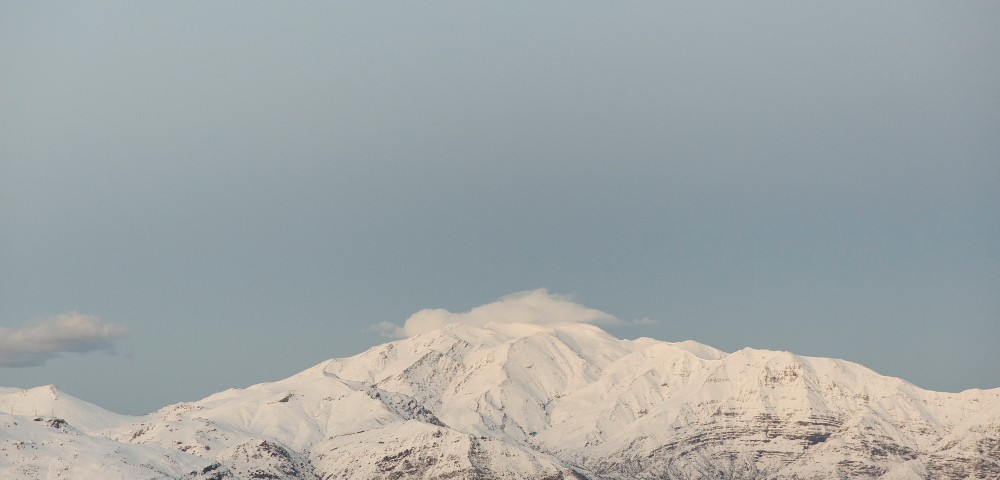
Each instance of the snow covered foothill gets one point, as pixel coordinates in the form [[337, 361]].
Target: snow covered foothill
[[49, 448], [49, 401]]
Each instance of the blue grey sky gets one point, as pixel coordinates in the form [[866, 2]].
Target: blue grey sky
[[226, 193]]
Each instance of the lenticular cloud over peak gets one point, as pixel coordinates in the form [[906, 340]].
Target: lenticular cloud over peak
[[532, 306]]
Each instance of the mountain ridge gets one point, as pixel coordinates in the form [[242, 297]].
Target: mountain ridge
[[569, 400]]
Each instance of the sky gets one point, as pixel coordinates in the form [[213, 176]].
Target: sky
[[196, 196]]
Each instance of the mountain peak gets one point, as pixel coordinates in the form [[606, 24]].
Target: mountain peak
[[515, 330]]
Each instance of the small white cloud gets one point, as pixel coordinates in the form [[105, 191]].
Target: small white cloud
[[386, 329], [534, 306], [39, 342], [645, 321]]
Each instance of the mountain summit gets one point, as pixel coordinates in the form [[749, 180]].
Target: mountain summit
[[480, 400]]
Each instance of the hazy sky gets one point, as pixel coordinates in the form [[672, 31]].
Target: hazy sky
[[227, 193]]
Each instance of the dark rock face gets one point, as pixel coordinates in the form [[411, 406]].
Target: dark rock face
[[271, 461]]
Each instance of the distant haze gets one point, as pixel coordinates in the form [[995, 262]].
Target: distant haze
[[226, 193]]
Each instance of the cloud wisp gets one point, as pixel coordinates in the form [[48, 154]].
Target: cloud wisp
[[39, 342], [533, 306]]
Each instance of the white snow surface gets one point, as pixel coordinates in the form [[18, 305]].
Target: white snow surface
[[509, 400], [49, 401]]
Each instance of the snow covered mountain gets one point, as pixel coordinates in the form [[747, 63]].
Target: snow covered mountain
[[518, 400], [34, 444]]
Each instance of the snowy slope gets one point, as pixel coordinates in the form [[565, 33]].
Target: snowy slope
[[316, 424], [49, 448], [508, 400], [49, 401], [644, 408]]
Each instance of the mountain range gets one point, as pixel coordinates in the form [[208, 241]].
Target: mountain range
[[525, 401]]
